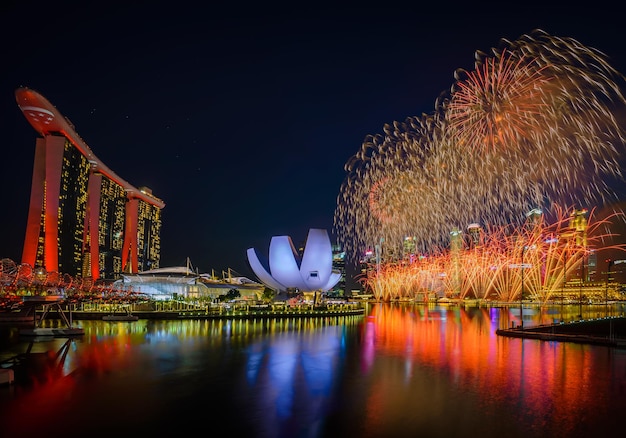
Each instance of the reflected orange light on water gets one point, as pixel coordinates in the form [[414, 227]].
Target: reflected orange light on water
[[552, 382], [400, 370]]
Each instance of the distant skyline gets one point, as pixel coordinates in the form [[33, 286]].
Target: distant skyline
[[241, 119]]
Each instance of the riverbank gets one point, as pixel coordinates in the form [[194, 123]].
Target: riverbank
[[237, 314], [609, 331], [222, 313]]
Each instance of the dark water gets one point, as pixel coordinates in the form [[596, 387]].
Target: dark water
[[399, 371]]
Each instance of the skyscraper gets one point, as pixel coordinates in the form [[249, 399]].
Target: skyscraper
[[83, 219]]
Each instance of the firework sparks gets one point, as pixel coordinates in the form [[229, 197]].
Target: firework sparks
[[532, 125], [552, 254]]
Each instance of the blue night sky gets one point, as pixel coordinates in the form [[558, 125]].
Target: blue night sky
[[241, 118]]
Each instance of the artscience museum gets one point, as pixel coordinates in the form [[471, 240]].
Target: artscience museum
[[286, 270]]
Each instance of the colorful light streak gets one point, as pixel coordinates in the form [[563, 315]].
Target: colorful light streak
[[481, 370], [491, 269], [533, 125]]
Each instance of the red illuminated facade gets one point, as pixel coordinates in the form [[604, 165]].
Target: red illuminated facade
[[83, 219]]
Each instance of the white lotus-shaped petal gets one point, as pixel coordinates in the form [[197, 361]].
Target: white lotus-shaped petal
[[313, 272]]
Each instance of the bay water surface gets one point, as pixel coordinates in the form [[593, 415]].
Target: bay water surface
[[400, 370]]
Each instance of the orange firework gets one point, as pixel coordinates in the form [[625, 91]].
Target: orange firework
[[532, 125], [498, 105]]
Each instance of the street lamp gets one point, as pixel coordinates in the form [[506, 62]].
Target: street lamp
[[521, 295], [564, 278], [522, 266], [606, 290], [580, 286]]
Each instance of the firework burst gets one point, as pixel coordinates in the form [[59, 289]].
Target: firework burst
[[552, 252], [532, 125]]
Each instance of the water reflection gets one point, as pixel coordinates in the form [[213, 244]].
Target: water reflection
[[400, 370], [447, 363]]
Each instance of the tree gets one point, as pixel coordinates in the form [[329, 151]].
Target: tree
[[230, 295], [268, 295]]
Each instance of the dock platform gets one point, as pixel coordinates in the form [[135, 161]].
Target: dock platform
[[57, 332], [609, 331]]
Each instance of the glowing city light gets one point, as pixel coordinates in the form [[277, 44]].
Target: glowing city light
[[532, 128]]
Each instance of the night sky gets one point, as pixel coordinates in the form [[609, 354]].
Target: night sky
[[240, 117]]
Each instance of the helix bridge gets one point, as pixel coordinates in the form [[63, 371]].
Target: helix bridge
[[21, 284]]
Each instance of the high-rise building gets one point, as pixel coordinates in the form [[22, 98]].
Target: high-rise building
[[339, 265], [456, 246], [83, 219], [475, 234], [578, 223]]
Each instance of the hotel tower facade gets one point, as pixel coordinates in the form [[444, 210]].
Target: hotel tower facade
[[83, 219]]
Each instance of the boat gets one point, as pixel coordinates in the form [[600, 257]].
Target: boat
[[120, 313], [60, 332], [114, 317], [527, 310], [51, 303]]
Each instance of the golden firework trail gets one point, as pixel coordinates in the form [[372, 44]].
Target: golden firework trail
[[534, 125]]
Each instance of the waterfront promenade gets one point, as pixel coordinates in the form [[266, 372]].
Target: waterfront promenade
[[303, 312], [173, 311]]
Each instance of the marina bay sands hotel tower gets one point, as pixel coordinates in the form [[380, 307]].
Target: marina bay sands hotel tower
[[83, 219]]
